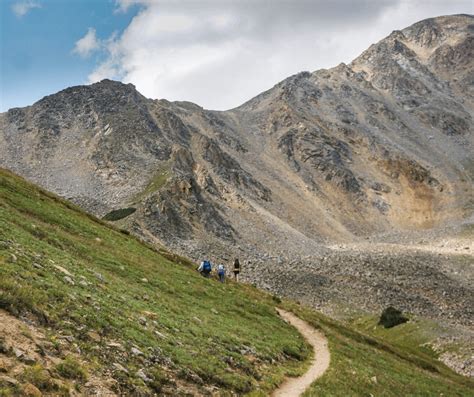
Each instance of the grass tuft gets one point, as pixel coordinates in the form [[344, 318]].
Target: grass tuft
[[121, 213], [70, 368]]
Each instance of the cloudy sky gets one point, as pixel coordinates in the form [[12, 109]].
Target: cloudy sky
[[217, 53]]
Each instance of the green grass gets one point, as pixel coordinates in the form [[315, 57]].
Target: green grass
[[158, 180], [382, 364], [413, 336], [121, 213], [129, 293], [70, 368]]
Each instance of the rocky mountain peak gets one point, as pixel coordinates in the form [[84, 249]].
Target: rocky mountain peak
[[433, 32], [421, 39]]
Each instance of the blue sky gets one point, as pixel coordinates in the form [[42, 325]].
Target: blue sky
[[217, 53], [36, 48]]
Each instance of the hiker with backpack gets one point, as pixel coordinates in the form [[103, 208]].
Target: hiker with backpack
[[221, 273], [205, 268], [236, 269]]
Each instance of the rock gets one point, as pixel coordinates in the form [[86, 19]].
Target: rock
[[115, 345], [197, 320], [13, 258], [159, 334], [144, 280], [120, 367], [192, 376], [142, 320], [31, 390], [214, 311], [244, 350], [99, 277], [69, 280], [8, 380], [141, 374], [62, 270], [150, 314], [17, 352], [5, 364], [136, 352], [94, 336], [69, 338]]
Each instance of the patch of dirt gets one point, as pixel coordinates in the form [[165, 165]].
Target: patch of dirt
[[22, 345]]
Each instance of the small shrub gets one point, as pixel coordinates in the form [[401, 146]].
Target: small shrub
[[9, 391], [121, 213], [40, 377], [293, 352], [159, 380], [392, 317], [18, 299], [70, 368], [276, 299]]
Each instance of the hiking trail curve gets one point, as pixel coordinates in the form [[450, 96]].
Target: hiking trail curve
[[294, 387]]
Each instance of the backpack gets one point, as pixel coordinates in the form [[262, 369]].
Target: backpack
[[206, 267]]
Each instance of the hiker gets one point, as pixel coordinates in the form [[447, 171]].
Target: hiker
[[205, 268], [236, 269], [221, 272]]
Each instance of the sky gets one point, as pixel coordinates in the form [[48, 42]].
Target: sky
[[216, 53]]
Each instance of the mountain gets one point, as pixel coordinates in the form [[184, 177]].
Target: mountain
[[344, 188], [87, 309]]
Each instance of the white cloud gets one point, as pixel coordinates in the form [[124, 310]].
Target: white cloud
[[85, 46], [21, 8], [221, 53], [124, 5]]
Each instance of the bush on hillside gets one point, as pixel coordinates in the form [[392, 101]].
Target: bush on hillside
[[70, 368], [121, 213], [392, 317]]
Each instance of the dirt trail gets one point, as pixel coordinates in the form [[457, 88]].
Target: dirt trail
[[294, 387]]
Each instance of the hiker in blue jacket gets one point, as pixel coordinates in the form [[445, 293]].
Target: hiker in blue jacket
[[205, 268]]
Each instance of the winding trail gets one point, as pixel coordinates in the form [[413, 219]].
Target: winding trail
[[294, 387]]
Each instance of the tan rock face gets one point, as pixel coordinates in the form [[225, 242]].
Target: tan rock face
[[31, 391]]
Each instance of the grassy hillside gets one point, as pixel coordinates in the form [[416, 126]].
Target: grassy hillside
[[110, 296], [115, 312]]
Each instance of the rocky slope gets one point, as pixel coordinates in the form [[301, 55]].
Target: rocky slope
[[381, 145]]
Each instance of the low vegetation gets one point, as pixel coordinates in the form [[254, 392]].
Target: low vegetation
[[147, 318], [157, 181], [121, 213], [70, 368], [392, 317]]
